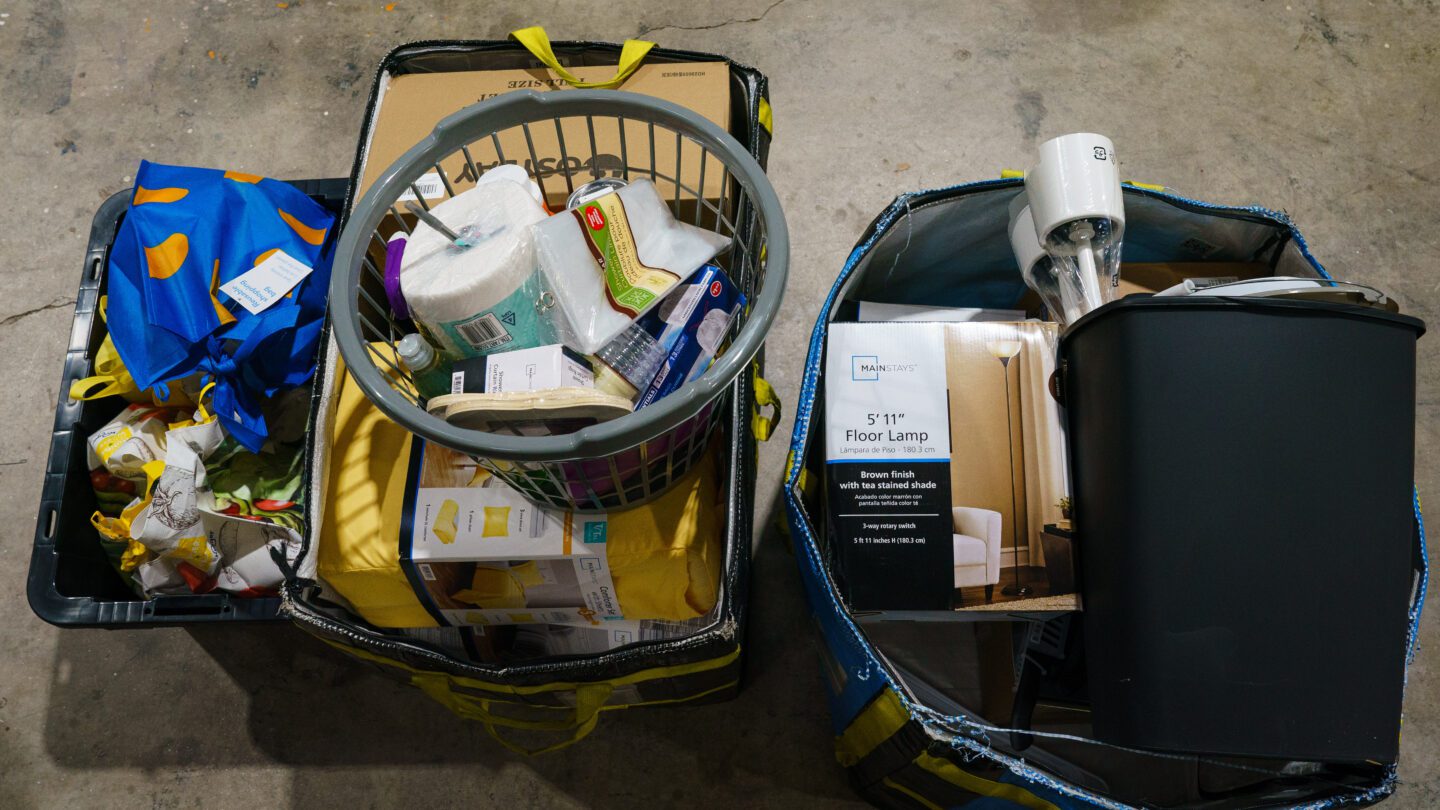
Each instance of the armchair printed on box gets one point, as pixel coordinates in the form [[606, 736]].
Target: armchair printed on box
[[977, 548]]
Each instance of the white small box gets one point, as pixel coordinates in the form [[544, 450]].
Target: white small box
[[534, 369]]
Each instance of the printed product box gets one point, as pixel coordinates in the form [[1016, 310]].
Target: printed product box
[[483, 555], [537, 369], [533, 641], [477, 553], [946, 467]]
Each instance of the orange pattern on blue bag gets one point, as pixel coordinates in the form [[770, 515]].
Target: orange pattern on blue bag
[[165, 259], [157, 195], [220, 311], [314, 236]]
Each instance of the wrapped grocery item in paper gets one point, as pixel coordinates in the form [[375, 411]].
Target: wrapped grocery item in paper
[[613, 258], [131, 440], [230, 554], [173, 537]]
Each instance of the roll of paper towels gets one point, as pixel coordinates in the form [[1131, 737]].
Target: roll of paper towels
[[478, 295]]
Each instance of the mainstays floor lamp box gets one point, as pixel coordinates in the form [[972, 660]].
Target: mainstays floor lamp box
[[946, 466]]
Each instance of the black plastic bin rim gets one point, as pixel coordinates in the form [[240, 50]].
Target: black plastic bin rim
[[78, 606], [1277, 306], [607, 438]]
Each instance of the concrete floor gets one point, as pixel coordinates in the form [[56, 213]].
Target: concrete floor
[[1324, 109]]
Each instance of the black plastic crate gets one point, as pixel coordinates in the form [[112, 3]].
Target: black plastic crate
[[72, 584]]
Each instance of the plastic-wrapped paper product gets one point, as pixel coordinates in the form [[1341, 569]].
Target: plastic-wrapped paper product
[[478, 295], [611, 260]]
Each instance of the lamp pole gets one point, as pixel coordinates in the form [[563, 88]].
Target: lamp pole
[[1016, 589]]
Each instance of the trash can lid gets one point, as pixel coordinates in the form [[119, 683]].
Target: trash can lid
[[1291, 306]]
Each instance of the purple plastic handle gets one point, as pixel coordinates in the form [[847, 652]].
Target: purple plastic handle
[[394, 250]]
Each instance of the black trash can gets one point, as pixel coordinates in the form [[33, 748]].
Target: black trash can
[[1244, 511]]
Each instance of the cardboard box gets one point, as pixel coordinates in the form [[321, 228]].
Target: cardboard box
[[536, 369], [484, 555], [477, 553], [945, 464], [548, 640], [1152, 277], [412, 104]]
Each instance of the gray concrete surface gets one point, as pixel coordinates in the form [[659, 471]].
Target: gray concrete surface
[[1325, 109]]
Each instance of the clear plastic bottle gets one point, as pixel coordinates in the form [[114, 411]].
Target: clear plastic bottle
[[628, 363], [429, 370]]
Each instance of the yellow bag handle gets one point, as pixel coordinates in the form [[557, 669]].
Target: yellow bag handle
[[765, 397], [766, 116], [538, 44], [111, 378], [104, 385], [589, 699]]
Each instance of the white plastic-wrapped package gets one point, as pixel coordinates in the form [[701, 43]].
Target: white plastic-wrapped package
[[613, 258], [478, 295]]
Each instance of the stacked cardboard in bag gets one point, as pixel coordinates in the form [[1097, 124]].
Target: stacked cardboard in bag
[[563, 154]]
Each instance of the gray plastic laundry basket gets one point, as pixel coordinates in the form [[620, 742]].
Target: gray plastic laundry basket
[[632, 459]]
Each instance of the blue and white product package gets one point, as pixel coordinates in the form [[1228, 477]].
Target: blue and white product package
[[697, 324]]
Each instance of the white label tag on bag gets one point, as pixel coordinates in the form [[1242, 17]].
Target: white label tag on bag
[[267, 282]]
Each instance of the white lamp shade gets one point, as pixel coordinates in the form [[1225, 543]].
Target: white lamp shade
[[1003, 349], [1076, 178]]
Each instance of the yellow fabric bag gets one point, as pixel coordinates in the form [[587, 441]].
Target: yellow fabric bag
[[359, 552], [665, 557], [111, 378]]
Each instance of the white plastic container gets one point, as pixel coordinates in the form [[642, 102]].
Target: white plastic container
[[1060, 291]]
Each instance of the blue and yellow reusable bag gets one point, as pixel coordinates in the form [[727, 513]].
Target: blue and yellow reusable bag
[[188, 232]]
